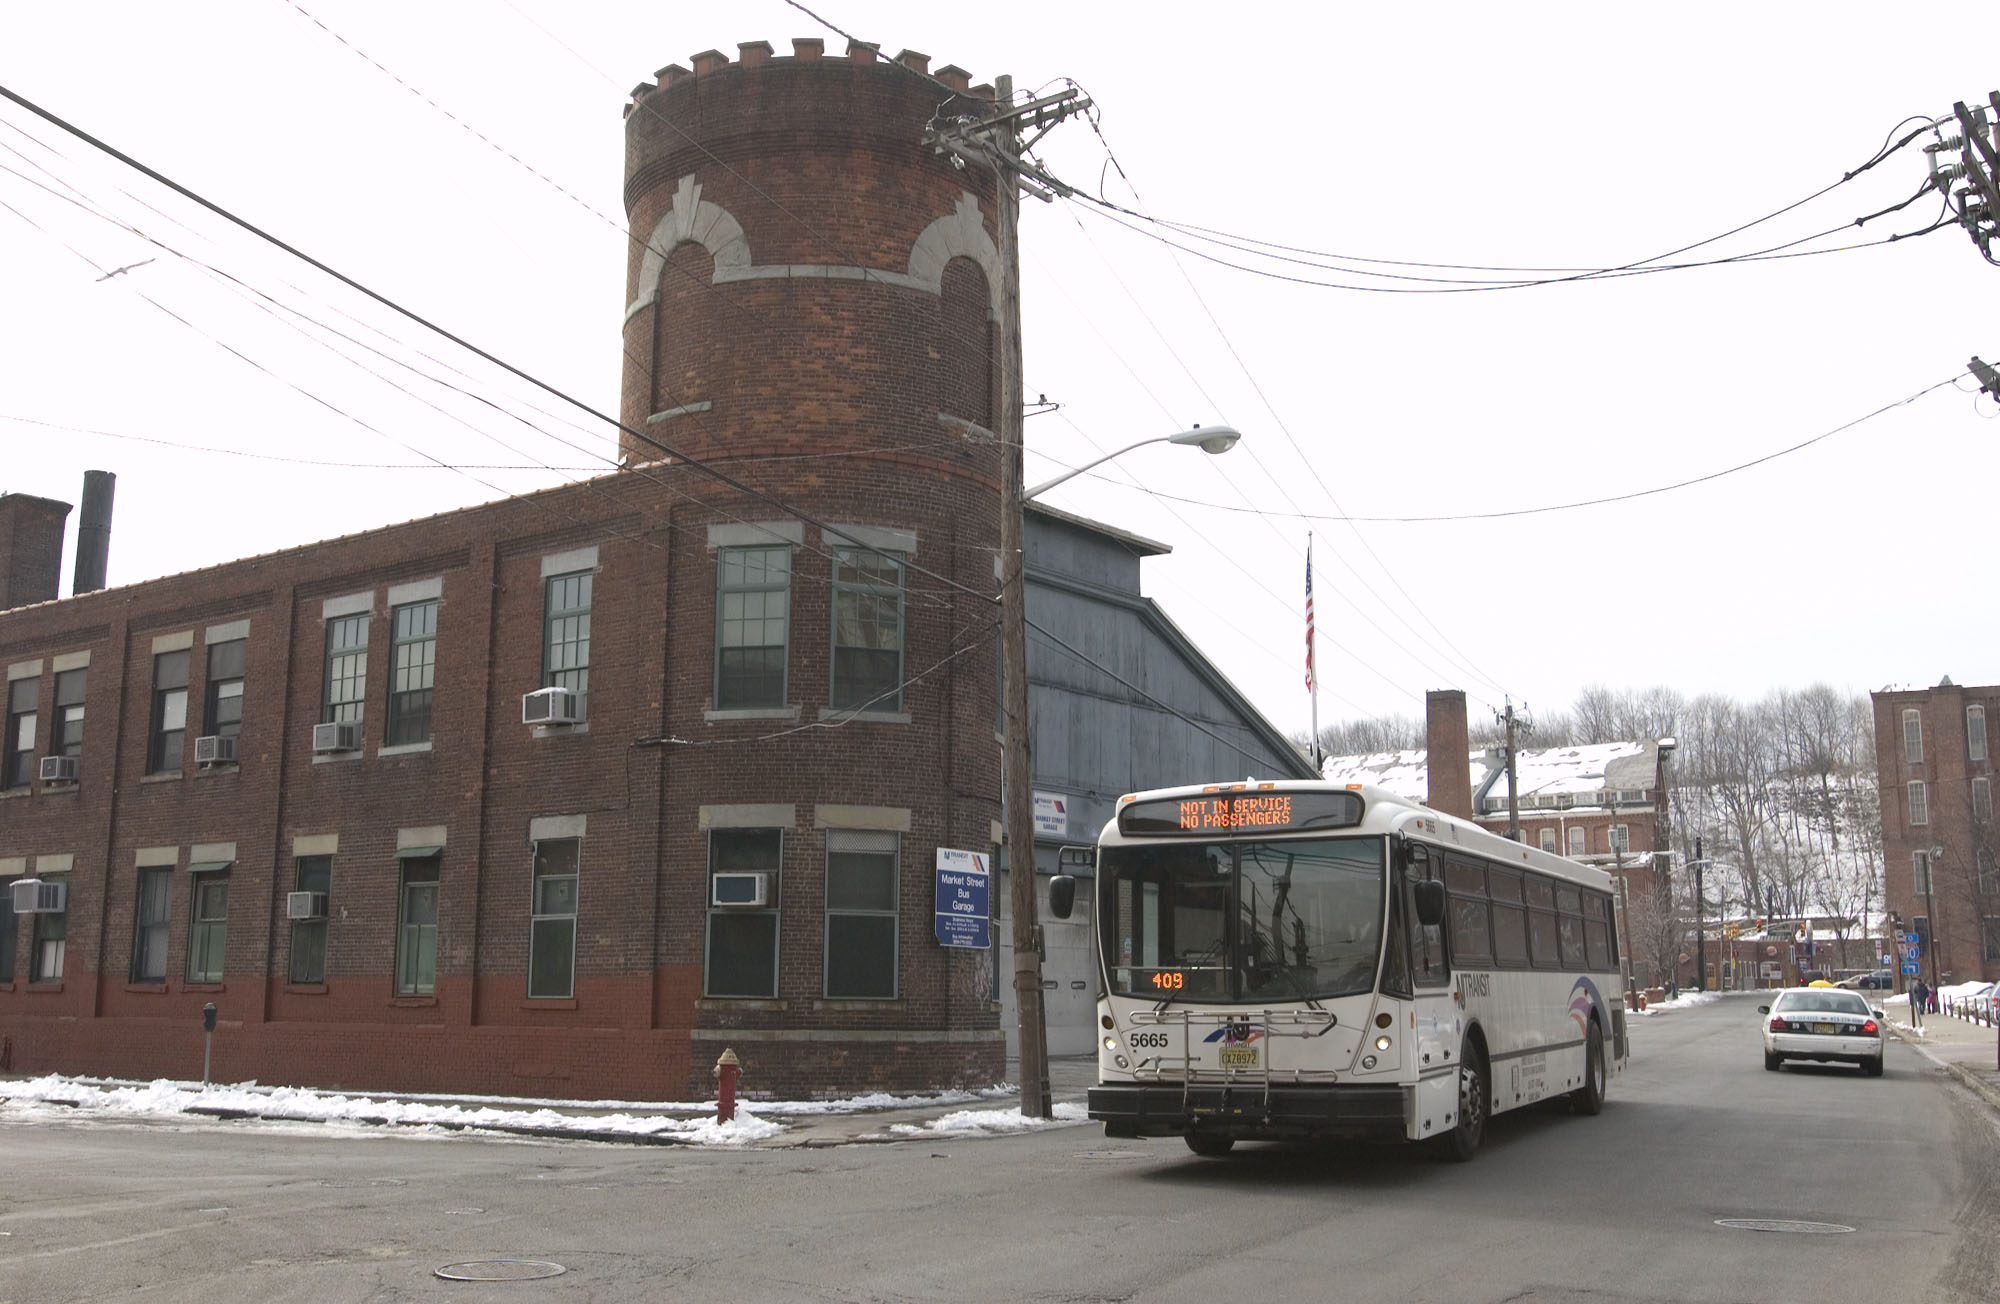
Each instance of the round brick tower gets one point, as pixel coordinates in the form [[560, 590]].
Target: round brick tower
[[811, 309]]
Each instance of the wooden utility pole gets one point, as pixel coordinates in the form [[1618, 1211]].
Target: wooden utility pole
[[1513, 796], [996, 142]]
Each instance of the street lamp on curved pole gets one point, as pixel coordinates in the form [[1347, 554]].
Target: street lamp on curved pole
[[1018, 768], [1210, 439]]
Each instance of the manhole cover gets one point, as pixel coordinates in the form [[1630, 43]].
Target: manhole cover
[[1782, 1225], [500, 1270]]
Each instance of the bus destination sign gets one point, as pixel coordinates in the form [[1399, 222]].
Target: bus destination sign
[[1240, 812]]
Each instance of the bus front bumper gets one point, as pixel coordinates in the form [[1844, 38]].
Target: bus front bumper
[[1248, 1111]]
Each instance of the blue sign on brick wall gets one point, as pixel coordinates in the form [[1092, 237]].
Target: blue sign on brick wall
[[964, 898]]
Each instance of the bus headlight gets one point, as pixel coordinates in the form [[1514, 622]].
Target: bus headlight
[[1382, 1043], [1111, 1043]]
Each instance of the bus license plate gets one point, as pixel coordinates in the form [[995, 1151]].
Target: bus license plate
[[1239, 1057]]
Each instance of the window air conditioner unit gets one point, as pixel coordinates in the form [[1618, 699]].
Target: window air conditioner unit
[[339, 736], [212, 749], [551, 706], [740, 890], [34, 897], [59, 769], [305, 905]]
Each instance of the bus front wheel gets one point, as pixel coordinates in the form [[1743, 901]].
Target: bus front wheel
[[1589, 1098], [1462, 1142], [1208, 1144]]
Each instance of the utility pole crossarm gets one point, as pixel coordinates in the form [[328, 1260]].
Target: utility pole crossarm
[[1987, 178]]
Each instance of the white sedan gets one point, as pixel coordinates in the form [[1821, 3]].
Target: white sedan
[[1825, 1024]]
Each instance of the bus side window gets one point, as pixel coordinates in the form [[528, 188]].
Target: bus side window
[[1396, 964]]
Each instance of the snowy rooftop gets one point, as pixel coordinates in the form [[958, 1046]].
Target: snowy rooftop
[[1627, 766]]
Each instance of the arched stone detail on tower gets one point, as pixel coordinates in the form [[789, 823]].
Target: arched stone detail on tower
[[960, 235], [692, 218]]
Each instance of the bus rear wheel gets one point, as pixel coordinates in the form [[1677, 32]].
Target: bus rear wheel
[[1462, 1142], [1208, 1144], [1589, 1098]]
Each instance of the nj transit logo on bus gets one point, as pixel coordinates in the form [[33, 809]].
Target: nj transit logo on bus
[[1583, 998], [1236, 1034]]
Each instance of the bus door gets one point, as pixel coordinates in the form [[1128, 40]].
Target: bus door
[[1437, 1023]]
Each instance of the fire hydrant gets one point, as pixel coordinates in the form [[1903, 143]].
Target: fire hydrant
[[727, 1070]]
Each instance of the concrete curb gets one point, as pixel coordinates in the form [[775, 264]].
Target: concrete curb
[[1985, 1090]]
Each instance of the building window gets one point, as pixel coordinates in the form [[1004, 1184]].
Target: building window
[[1548, 841], [1920, 872], [417, 928], [867, 630], [170, 708], [743, 939], [552, 929], [1982, 799], [1577, 838], [310, 874], [1913, 737], [412, 670], [17, 760], [861, 896], [1989, 933], [1920, 808], [566, 633], [45, 959], [224, 717], [68, 740], [209, 931], [752, 619], [1989, 875], [1621, 838], [1975, 733], [149, 925], [346, 669]]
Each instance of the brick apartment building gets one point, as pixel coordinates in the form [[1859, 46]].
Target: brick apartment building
[[300, 786], [563, 795], [1934, 765]]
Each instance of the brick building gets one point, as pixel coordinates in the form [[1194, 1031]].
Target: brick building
[[564, 793], [1934, 765]]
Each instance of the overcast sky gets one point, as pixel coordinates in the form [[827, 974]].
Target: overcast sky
[[474, 176]]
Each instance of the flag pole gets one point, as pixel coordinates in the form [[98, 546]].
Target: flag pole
[[1312, 678]]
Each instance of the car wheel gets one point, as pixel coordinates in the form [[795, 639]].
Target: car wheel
[[1589, 1098], [1208, 1145], [1873, 1068], [1462, 1142], [1773, 1060]]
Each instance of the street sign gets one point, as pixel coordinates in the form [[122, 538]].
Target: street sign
[[964, 898], [1051, 815], [1909, 968], [1910, 939]]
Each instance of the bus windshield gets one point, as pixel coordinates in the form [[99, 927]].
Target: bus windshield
[[1242, 921]]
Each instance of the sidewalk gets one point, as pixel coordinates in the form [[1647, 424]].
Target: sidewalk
[[1968, 1051], [787, 1124]]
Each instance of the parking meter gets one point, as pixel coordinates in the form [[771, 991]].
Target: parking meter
[[207, 1039]]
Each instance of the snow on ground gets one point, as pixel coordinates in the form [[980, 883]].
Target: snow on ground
[[56, 1096], [1685, 1001], [966, 1122]]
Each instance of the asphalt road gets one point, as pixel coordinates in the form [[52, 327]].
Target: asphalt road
[[1622, 1207]]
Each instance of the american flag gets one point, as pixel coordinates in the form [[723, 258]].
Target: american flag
[[1309, 619]]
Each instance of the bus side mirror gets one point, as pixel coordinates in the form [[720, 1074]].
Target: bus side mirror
[[1062, 895], [1430, 902]]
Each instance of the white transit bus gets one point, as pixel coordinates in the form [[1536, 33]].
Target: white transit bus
[[1295, 960]]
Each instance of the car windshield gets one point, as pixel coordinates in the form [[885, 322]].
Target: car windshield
[[1242, 920], [1821, 1001]]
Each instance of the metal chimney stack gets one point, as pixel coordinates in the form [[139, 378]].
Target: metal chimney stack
[[93, 532]]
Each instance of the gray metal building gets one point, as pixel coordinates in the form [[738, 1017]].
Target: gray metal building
[[1156, 713]]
